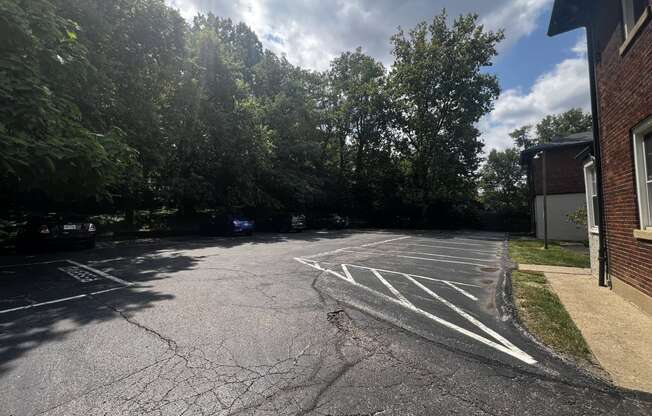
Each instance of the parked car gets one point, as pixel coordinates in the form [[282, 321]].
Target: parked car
[[330, 221], [42, 231], [284, 223], [228, 224]]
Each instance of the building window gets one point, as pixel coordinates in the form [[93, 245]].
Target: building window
[[592, 205], [632, 11], [643, 163]]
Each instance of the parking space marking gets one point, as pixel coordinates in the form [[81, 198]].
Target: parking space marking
[[347, 273], [338, 250], [78, 271], [450, 248], [419, 253], [385, 241], [499, 342], [391, 288], [51, 302], [443, 261], [452, 284], [465, 315], [316, 265], [462, 244], [101, 273]]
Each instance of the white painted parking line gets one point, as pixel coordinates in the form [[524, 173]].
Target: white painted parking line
[[316, 265], [462, 291], [450, 248], [347, 273], [453, 285], [414, 275], [339, 250], [51, 302], [499, 343], [89, 268], [391, 288], [78, 271], [463, 314], [385, 241], [101, 273], [443, 261], [459, 243], [419, 253]]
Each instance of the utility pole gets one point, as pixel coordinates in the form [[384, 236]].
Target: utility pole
[[545, 201]]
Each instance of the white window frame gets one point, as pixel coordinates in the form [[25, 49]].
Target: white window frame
[[631, 23], [644, 198], [589, 173], [628, 16]]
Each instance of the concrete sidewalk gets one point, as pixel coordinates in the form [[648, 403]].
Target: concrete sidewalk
[[618, 333]]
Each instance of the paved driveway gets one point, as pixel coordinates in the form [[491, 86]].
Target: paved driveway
[[337, 323]]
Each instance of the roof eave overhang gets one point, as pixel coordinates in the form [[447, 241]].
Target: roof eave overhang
[[528, 154], [568, 15]]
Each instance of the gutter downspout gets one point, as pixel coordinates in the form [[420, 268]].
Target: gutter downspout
[[602, 249]]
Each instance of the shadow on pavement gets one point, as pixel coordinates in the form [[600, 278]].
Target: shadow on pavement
[[24, 330], [136, 261]]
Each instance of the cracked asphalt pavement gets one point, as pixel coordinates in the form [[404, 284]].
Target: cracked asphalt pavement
[[317, 323]]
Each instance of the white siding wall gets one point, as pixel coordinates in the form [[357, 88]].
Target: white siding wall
[[559, 227]]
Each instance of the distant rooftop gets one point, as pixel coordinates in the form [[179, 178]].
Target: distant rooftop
[[576, 139]]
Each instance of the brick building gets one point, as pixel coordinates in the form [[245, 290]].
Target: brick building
[[619, 34], [564, 181]]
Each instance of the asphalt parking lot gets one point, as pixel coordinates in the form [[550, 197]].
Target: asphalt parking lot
[[346, 322], [450, 280]]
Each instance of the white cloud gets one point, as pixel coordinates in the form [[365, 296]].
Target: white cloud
[[311, 32], [518, 17], [564, 87]]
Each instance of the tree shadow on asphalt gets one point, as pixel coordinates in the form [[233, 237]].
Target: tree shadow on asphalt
[[25, 330], [136, 261]]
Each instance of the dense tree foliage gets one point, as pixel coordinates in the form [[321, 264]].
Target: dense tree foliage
[[503, 182], [440, 93], [45, 147], [553, 125], [118, 105]]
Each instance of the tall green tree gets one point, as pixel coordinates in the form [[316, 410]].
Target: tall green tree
[[136, 50], [45, 148], [127, 102], [440, 92], [572, 121], [502, 182], [287, 98], [361, 111]]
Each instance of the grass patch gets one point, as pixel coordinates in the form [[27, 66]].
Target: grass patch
[[543, 314], [532, 252]]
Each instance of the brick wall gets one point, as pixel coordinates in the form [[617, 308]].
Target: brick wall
[[565, 173], [625, 99]]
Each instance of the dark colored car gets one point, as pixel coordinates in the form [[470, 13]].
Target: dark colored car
[[284, 223], [56, 230], [228, 224], [331, 221]]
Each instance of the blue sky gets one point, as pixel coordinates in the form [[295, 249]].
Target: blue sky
[[534, 54], [539, 75]]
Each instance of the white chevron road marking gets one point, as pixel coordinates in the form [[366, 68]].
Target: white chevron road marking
[[497, 341]]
